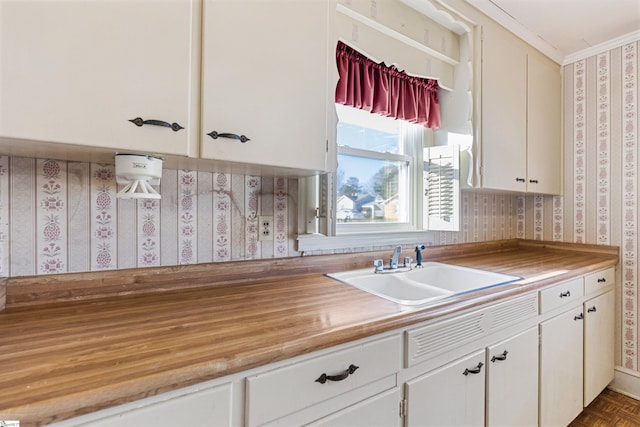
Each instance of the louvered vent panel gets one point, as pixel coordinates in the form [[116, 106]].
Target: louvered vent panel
[[433, 340], [436, 339], [515, 311]]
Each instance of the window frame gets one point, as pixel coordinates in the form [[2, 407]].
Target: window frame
[[412, 138]]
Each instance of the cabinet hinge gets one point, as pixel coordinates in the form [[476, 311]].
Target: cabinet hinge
[[403, 408]]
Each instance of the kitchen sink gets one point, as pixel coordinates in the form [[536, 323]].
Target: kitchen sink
[[419, 286]]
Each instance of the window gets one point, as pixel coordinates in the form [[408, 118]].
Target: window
[[379, 172], [383, 159]]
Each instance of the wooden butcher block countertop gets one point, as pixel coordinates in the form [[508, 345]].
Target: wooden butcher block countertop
[[77, 343]]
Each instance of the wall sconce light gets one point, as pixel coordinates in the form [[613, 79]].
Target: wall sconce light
[[138, 172]]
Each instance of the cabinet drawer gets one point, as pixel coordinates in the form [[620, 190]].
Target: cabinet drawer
[[274, 394], [559, 295], [599, 280], [195, 406]]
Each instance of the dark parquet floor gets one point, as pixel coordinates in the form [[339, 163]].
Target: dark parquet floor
[[610, 409]]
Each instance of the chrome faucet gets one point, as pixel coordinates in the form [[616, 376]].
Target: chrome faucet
[[393, 263]]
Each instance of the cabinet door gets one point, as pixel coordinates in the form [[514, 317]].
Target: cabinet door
[[449, 396], [598, 344], [265, 67], [512, 381], [504, 111], [561, 364], [381, 410], [77, 72], [544, 147]]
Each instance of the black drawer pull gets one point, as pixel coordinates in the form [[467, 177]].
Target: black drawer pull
[[579, 317], [565, 294], [343, 376], [216, 135], [533, 181], [592, 309], [139, 122], [500, 357], [521, 180], [602, 280], [475, 370]]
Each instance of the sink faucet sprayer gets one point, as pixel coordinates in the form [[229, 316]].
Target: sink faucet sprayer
[[419, 255]]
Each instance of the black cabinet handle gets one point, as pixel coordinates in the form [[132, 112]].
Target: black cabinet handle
[[216, 135], [579, 317], [475, 370], [343, 376], [521, 180], [500, 357], [139, 122], [592, 309], [533, 181], [565, 294], [602, 280]]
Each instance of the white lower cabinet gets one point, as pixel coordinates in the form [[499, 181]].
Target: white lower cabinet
[[512, 381], [377, 411], [309, 390], [452, 395], [599, 344], [561, 367], [497, 386], [193, 407]]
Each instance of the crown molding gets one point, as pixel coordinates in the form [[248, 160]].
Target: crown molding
[[503, 18], [631, 37]]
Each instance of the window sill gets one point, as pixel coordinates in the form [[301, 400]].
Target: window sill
[[364, 241]]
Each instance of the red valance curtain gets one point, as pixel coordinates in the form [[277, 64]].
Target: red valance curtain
[[385, 90]]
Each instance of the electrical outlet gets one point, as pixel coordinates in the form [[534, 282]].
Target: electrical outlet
[[265, 231]]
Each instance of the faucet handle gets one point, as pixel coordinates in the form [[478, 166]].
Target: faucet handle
[[407, 261], [378, 264]]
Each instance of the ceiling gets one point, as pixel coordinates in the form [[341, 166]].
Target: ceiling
[[564, 28]]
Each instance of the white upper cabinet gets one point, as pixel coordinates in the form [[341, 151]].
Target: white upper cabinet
[[521, 111], [544, 110], [504, 112], [78, 72], [265, 71]]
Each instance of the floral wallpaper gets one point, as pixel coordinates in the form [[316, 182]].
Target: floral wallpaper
[[600, 202], [58, 217]]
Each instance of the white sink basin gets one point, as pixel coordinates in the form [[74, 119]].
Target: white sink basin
[[419, 286]]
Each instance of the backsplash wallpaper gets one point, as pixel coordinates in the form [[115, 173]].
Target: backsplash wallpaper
[[59, 217]]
